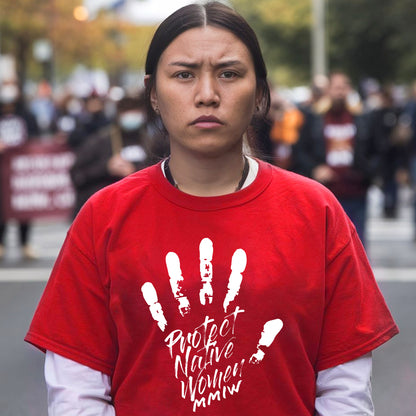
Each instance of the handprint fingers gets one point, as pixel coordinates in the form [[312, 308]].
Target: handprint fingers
[[150, 296], [206, 250], [206, 293], [268, 335], [238, 265], [175, 274]]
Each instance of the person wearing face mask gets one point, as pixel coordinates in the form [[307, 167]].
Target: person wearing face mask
[[113, 153]]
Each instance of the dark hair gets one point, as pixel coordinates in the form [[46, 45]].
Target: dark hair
[[135, 102], [200, 15]]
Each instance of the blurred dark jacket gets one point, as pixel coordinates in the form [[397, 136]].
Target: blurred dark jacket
[[90, 171], [311, 151]]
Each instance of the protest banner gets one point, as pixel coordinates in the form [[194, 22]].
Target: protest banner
[[35, 181]]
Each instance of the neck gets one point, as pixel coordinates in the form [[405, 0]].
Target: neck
[[202, 176]]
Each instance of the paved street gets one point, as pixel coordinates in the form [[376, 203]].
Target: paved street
[[392, 253]]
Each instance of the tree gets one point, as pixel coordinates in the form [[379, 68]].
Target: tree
[[283, 30], [105, 42], [20, 23], [376, 38], [365, 38]]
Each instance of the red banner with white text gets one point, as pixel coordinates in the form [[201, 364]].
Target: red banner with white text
[[35, 181]]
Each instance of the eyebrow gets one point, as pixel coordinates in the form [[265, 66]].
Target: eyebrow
[[194, 65]]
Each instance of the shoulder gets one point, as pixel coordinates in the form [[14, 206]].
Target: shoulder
[[299, 186], [134, 183], [112, 205], [303, 199], [127, 188]]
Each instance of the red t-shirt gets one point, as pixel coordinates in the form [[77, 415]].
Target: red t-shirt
[[222, 305]]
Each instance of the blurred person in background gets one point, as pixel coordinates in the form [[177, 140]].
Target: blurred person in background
[[90, 120], [319, 93], [287, 121], [43, 108], [17, 126], [68, 112], [390, 130], [273, 137], [115, 151], [336, 149]]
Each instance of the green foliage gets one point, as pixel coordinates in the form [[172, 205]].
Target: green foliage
[[374, 38], [284, 34], [105, 42], [364, 37], [361, 37]]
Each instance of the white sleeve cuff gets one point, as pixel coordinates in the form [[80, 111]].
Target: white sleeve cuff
[[345, 389], [76, 389]]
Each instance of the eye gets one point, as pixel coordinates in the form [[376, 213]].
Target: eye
[[183, 75], [228, 74]]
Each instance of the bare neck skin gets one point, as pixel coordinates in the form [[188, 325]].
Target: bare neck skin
[[200, 175]]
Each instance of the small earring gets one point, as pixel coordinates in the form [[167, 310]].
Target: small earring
[[156, 109], [257, 108]]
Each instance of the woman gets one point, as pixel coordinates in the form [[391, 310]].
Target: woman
[[211, 283]]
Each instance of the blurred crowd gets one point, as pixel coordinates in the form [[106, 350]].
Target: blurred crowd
[[108, 134], [344, 137]]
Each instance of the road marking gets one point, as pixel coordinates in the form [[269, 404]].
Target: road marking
[[385, 274], [24, 274]]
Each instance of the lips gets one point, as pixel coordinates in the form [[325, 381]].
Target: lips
[[207, 121]]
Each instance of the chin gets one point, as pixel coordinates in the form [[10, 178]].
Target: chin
[[215, 148]]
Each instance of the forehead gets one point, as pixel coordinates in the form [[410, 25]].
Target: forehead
[[207, 43]]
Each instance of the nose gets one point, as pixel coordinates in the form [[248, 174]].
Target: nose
[[207, 93]]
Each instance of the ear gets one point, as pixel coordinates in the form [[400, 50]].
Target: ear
[[257, 101], [149, 83]]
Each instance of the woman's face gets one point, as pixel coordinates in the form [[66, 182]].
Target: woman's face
[[205, 91]]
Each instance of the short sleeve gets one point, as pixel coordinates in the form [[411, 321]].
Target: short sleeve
[[356, 319], [73, 317]]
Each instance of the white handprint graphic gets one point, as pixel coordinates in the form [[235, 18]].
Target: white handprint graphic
[[211, 342], [206, 250], [238, 265], [150, 296], [174, 270], [268, 335]]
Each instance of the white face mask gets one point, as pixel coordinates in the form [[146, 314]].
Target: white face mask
[[131, 120], [9, 94]]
